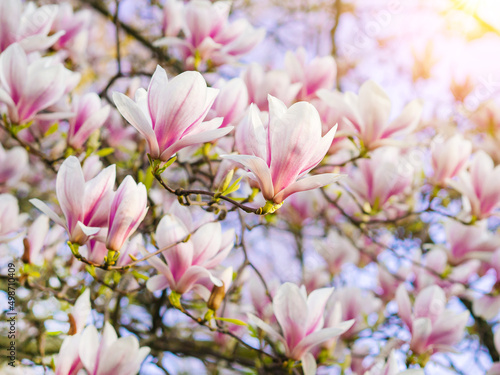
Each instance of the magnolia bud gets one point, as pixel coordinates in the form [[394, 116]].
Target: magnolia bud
[[216, 297]]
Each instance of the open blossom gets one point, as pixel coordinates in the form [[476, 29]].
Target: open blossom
[[368, 114], [28, 25], [27, 88], [90, 115], [35, 239], [479, 185], [381, 177], [74, 26], [318, 74], [188, 264], [301, 320], [231, 102], [105, 355], [433, 327], [170, 114], [13, 164], [172, 17], [128, 208], [85, 204], [277, 83], [287, 150], [209, 36], [449, 158]]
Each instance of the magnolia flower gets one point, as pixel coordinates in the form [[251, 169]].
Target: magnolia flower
[[13, 164], [172, 17], [85, 204], [170, 114], [27, 88], [432, 326], [68, 360], [29, 26], [468, 241], [301, 320], [391, 367], [355, 305], [449, 158], [381, 177], [73, 25], [10, 219], [288, 149], [188, 263], [35, 239], [127, 211], [320, 73], [277, 83], [90, 115], [231, 102], [337, 250], [209, 37], [368, 114], [487, 306], [110, 355], [479, 185]]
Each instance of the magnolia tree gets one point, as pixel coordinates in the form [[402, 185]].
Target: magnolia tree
[[257, 187]]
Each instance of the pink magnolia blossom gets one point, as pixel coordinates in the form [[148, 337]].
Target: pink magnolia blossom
[[381, 177], [487, 306], [449, 158], [10, 219], [468, 241], [479, 186], [277, 83], [13, 164], [318, 74], [209, 37], [27, 88], [170, 114], [110, 355], [35, 239], [231, 102], [301, 320], [189, 263], [128, 208], [368, 114], [172, 17], [74, 25], [68, 360], [337, 251], [356, 305], [288, 149], [85, 204], [433, 327], [27, 25], [90, 115]]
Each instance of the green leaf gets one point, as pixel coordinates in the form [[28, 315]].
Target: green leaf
[[56, 333], [234, 186], [233, 321], [105, 152], [53, 128]]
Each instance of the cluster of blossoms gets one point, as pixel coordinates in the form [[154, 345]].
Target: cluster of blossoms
[[254, 217]]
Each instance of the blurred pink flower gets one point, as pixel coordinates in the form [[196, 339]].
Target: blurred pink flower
[[320, 73], [170, 114], [28, 25], [276, 83], [13, 164], [480, 185], [368, 114], [231, 102], [190, 262], [90, 115], [449, 158], [433, 327]]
